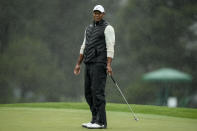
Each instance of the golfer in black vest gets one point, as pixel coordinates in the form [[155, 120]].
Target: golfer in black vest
[[97, 52]]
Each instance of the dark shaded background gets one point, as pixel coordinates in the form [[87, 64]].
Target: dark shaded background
[[40, 42]]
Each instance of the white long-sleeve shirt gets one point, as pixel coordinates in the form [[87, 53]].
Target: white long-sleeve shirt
[[109, 39]]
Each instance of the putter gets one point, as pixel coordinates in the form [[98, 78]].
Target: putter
[[135, 117]]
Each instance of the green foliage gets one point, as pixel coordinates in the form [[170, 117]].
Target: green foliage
[[156, 33], [28, 65], [40, 42], [142, 93], [39, 45]]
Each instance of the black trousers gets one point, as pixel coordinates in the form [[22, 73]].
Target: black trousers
[[95, 80]]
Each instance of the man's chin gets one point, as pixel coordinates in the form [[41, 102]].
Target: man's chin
[[97, 20]]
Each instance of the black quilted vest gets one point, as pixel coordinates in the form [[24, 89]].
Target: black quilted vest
[[95, 46]]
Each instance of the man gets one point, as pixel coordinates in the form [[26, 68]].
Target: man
[[97, 52]]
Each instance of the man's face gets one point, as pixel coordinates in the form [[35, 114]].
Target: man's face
[[97, 15]]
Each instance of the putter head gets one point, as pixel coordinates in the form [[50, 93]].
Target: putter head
[[136, 119]]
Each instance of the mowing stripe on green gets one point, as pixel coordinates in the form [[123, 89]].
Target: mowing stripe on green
[[145, 109], [52, 119]]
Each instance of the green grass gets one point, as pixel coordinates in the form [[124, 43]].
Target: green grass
[[145, 109], [69, 116]]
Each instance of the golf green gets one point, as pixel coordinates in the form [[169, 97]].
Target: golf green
[[52, 119]]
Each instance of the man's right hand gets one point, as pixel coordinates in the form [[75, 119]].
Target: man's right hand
[[77, 69]]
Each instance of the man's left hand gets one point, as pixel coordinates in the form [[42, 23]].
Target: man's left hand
[[109, 70]]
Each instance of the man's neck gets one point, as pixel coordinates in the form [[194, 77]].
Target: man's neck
[[98, 22]]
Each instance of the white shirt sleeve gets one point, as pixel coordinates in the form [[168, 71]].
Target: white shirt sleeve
[[110, 40], [83, 44]]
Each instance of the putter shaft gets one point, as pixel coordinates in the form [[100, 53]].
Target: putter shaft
[[124, 98]]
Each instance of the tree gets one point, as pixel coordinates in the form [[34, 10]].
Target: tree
[[156, 34]]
